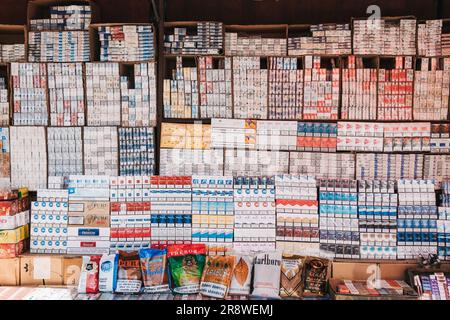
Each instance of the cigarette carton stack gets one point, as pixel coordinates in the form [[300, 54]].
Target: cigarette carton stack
[[5, 155], [66, 94], [130, 213], [429, 35], [322, 165], [103, 94], [126, 43], [29, 87], [276, 135], [64, 147], [250, 88], [377, 213], [321, 91], [213, 212], [285, 88], [207, 38], [28, 157], [175, 162], [432, 90], [49, 217], [12, 52], [216, 97], [395, 91], [58, 46], [297, 214], [407, 137], [255, 162], [181, 98], [101, 151], [171, 210], [254, 214], [233, 133], [185, 136], [14, 222], [255, 45], [64, 17], [377, 166], [445, 42], [440, 138], [339, 230], [359, 91], [444, 223], [417, 219], [136, 151], [360, 136], [436, 167], [88, 231], [333, 39], [4, 102], [317, 136], [139, 103]]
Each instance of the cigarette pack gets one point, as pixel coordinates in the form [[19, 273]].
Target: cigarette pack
[[322, 165], [429, 35], [136, 151], [276, 135], [440, 138], [64, 147], [255, 45], [185, 136], [317, 136], [360, 136], [12, 52], [407, 137], [4, 102], [436, 167], [64, 17], [101, 151], [233, 133], [5, 154]]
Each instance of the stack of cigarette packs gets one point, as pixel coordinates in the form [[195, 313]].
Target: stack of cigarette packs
[[440, 138], [445, 42], [216, 97], [49, 217], [359, 91], [285, 88], [58, 46], [276, 135], [331, 39], [64, 147], [28, 157], [432, 90], [429, 35], [187, 162], [4, 102], [126, 43], [444, 223], [29, 86], [254, 213], [407, 137], [377, 166], [297, 214], [207, 38], [250, 88], [436, 167], [14, 222], [317, 136], [88, 231], [395, 91], [66, 94], [130, 213], [377, 210], [185, 136], [417, 219], [322, 165], [255, 45], [64, 17], [360, 136], [181, 98], [171, 210], [213, 212], [136, 151], [384, 37], [139, 103], [5, 154], [101, 151], [12, 52], [256, 162], [339, 229], [321, 91], [103, 94], [233, 133]]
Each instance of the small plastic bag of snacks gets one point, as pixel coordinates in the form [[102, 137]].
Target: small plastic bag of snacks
[[291, 281], [129, 277], [216, 276], [316, 274], [242, 275], [88, 282], [108, 273], [154, 270], [266, 283], [186, 263]]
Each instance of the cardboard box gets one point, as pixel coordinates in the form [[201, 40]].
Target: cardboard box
[[10, 272], [41, 270], [71, 270], [352, 270]]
